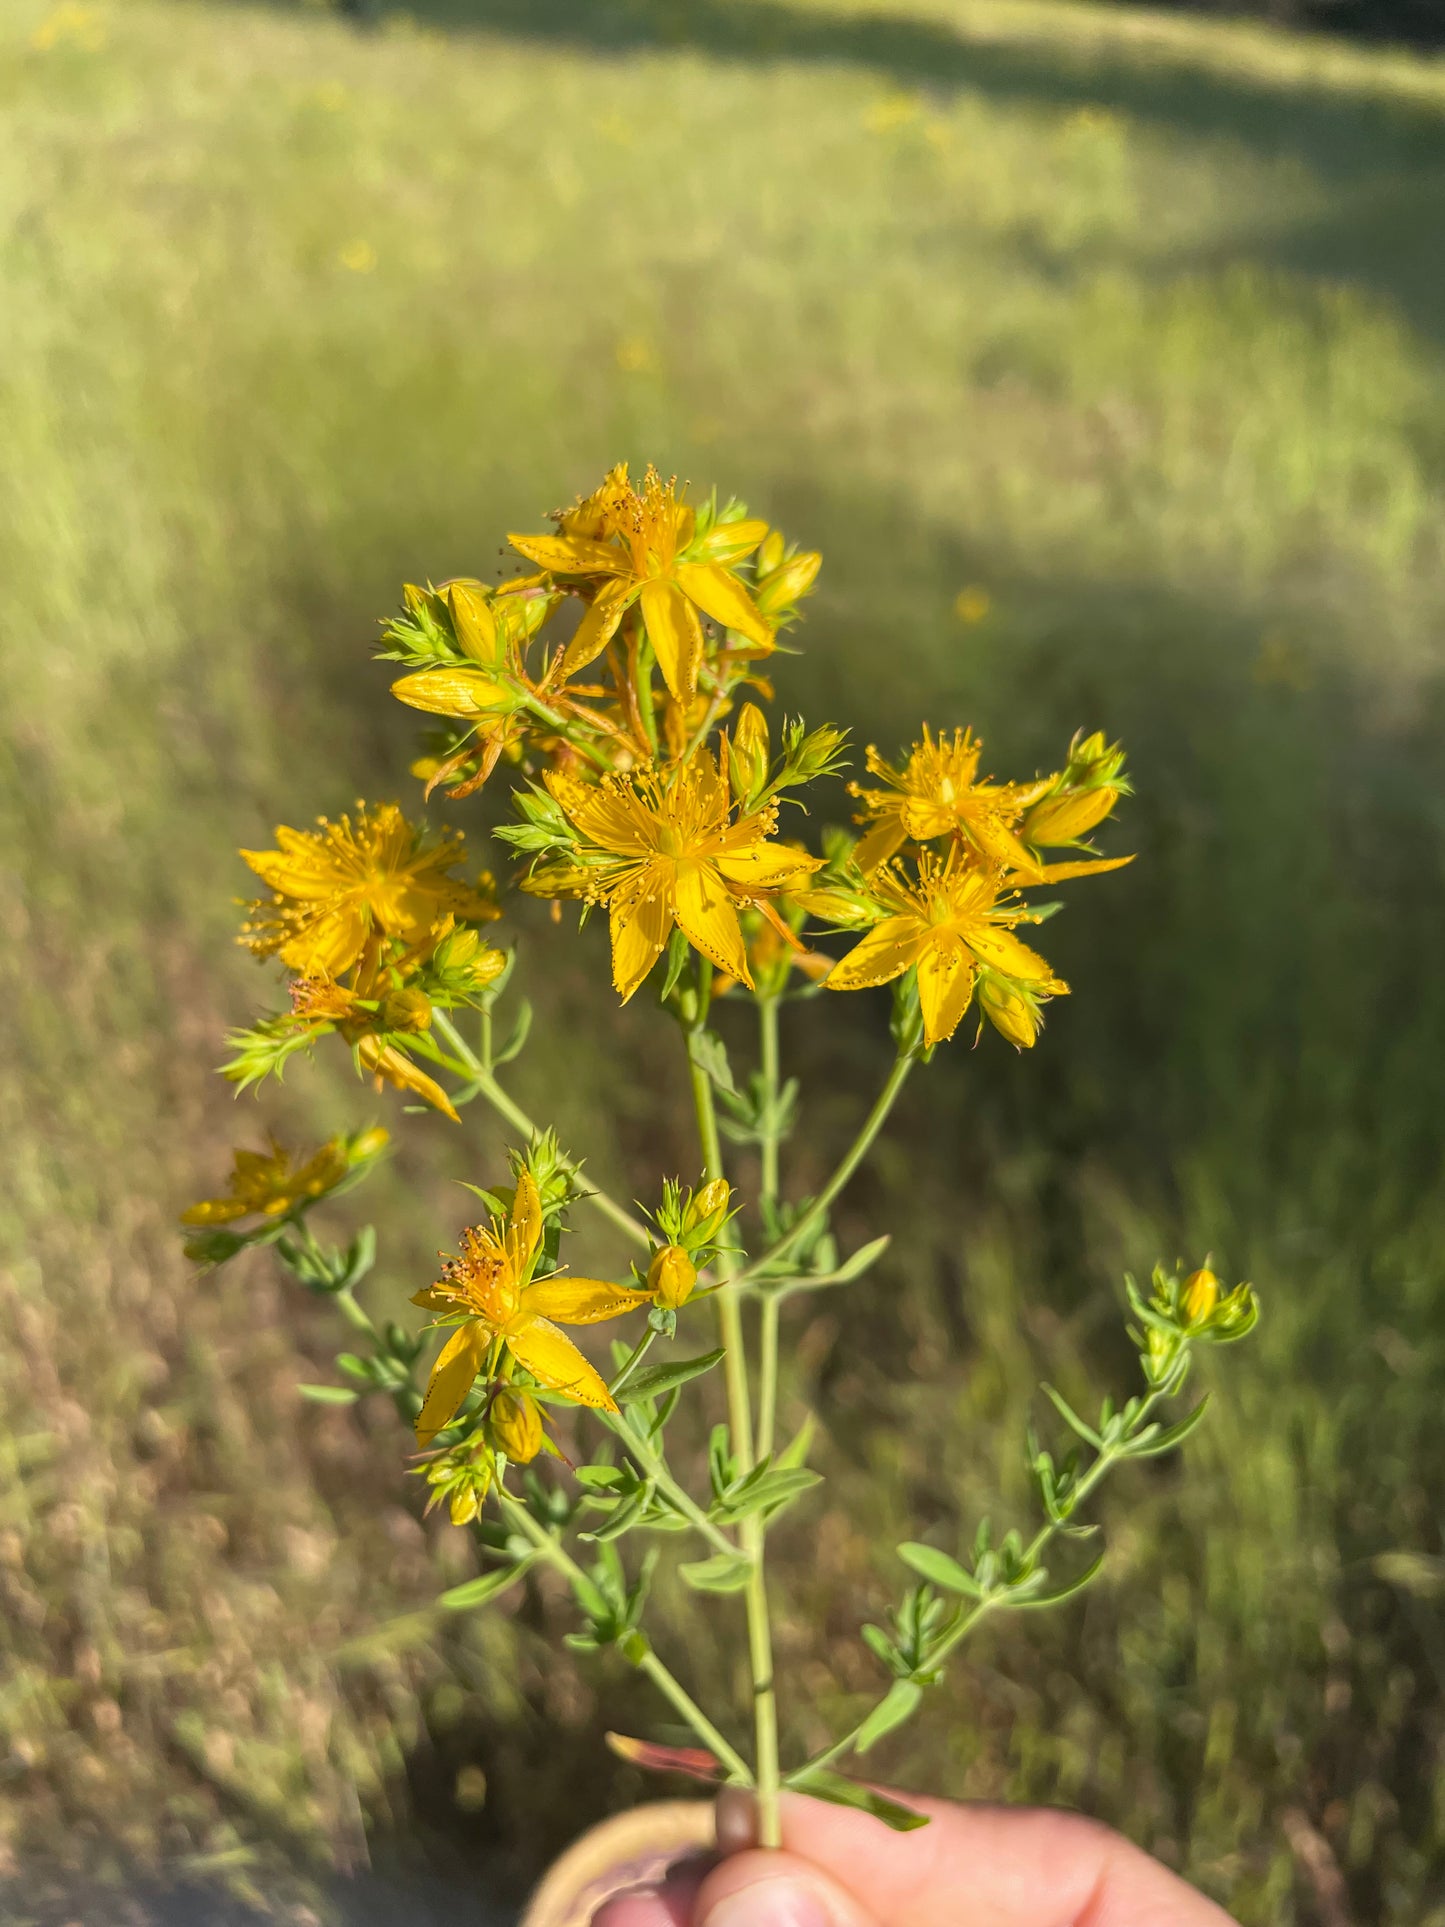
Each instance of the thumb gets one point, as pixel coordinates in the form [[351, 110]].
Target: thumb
[[775, 1890]]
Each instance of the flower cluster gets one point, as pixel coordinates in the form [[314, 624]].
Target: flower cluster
[[619, 679]]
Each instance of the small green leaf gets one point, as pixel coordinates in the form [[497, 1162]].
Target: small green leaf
[[794, 1454], [860, 1262], [709, 1053], [329, 1394], [516, 1037], [678, 950], [932, 1564], [488, 1585], [767, 1490], [1155, 1439], [658, 1379], [724, 1572], [1061, 1593], [826, 1785], [625, 1515], [899, 1703]]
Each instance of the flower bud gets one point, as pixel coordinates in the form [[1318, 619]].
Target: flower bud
[[781, 587], [772, 552], [405, 1011], [1012, 1014], [473, 622], [671, 1276], [706, 1210], [366, 1144], [1201, 1295], [748, 753], [515, 1425], [1068, 816], [453, 692]]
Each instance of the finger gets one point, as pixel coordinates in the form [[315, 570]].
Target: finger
[[1007, 1866], [672, 1904], [757, 1889]]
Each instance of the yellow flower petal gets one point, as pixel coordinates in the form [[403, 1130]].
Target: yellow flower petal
[[675, 634], [215, 1211], [709, 919], [641, 925], [720, 595], [552, 1359], [599, 625], [766, 866], [452, 1377], [884, 840], [1002, 949], [729, 542], [885, 953], [945, 988], [571, 554], [580, 1301], [1061, 872], [327, 946], [389, 1063], [524, 1228]]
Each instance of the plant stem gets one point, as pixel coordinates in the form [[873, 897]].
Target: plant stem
[[656, 1469], [769, 1153], [485, 1085], [751, 1534], [729, 1312], [854, 1156], [661, 1676]]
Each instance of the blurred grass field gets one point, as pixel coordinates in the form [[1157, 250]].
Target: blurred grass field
[[1103, 356]]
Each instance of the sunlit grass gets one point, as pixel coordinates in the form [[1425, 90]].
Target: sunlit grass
[[1102, 358]]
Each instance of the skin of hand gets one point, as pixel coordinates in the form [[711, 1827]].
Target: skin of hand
[[972, 1866]]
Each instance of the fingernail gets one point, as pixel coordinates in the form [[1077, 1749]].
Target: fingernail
[[736, 1820], [770, 1903]]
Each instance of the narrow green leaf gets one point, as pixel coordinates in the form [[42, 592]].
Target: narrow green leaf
[[329, 1394], [769, 1493], [794, 1454], [899, 1703], [860, 1262], [658, 1379], [724, 1572], [932, 1564], [826, 1785], [487, 1586], [1060, 1593], [516, 1037], [1152, 1441], [1070, 1417]]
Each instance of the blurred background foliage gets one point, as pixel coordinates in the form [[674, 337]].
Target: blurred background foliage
[[1101, 353]]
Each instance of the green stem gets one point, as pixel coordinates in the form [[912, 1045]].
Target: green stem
[[485, 1085], [751, 1534], [1103, 1464], [769, 1151], [656, 1469], [855, 1155], [661, 1676]]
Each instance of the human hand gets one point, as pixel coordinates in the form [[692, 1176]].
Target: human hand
[[972, 1866]]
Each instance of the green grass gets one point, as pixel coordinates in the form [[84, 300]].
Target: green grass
[[1129, 322]]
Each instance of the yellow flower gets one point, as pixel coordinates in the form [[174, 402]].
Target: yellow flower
[[669, 854], [671, 1276], [936, 794], [1200, 1295], [953, 923], [344, 886], [271, 1183], [492, 1287], [641, 546]]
